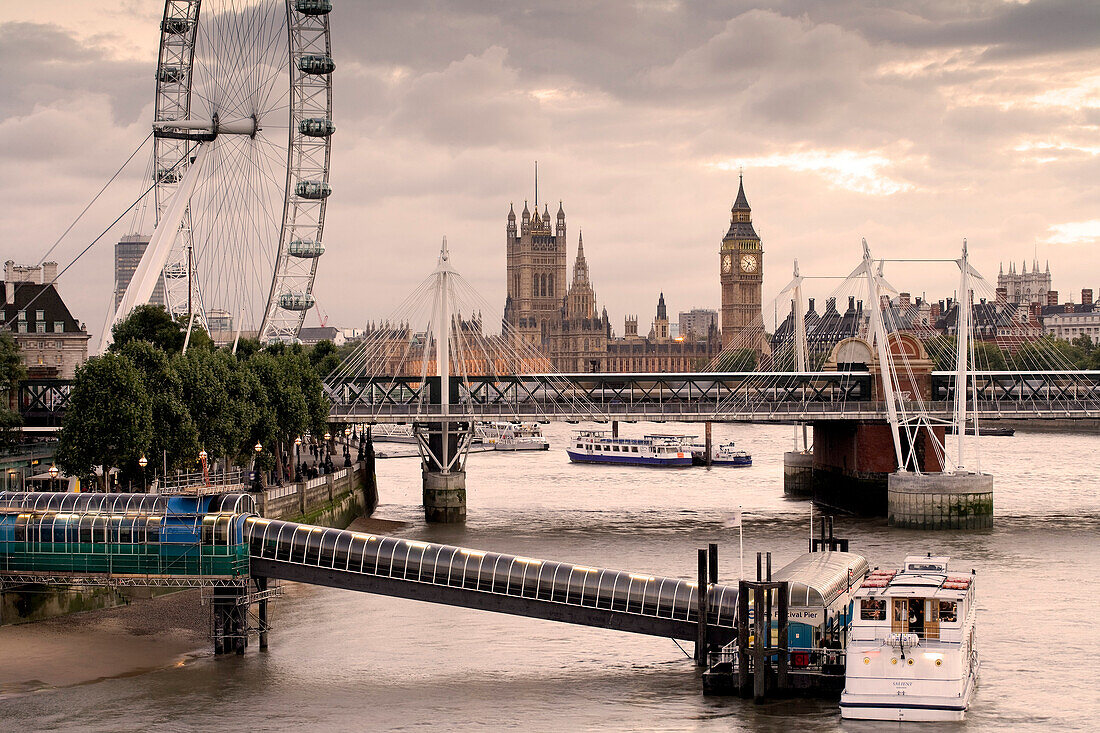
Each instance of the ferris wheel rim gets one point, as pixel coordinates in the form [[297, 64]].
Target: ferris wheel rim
[[308, 99]]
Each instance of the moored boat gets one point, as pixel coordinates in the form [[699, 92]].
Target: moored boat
[[600, 446], [512, 436], [723, 454], [912, 652]]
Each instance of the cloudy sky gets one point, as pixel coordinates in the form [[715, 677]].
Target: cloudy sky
[[913, 124]]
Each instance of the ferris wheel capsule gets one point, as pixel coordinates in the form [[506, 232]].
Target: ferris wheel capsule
[[171, 74], [313, 189], [296, 301], [313, 7], [305, 248], [316, 127], [175, 26], [317, 65]]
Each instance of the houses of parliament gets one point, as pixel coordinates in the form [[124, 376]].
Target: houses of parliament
[[556, 312]]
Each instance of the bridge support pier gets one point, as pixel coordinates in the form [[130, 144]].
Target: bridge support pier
[[941, 500], [798, 474], [445, 497], [853, 461], [443, 449]]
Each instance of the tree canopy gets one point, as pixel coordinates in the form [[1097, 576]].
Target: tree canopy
[[11, 372], [146, 397], [154, 324], [109, 421]]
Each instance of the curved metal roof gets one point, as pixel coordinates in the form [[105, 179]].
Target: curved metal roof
[[819, 578]]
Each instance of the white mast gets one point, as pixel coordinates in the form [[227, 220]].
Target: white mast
[[886, 367], [962, 351], [443, 271], [799, 337]]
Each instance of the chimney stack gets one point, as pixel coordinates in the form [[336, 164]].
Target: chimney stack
[[1052, 297], [904, 300], [1002, 296], [1086, 296]]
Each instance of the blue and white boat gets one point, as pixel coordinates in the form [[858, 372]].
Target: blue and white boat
[[600, 446]]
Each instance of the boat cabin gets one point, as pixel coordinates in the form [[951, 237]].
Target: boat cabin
[[923, 599]]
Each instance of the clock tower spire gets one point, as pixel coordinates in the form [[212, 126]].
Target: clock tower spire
[[741, 263]]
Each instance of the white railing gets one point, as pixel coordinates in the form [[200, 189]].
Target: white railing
[[278, 492]]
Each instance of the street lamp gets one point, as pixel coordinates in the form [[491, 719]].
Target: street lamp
[[256, 484], [53, 475], [298, 458], [143, 462]]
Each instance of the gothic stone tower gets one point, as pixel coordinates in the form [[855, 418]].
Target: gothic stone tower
[[741, 262], [536, 272]]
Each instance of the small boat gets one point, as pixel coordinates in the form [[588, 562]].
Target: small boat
[[600, 446], [912, 653], [1000, 432], [512, 436], [723, 454]]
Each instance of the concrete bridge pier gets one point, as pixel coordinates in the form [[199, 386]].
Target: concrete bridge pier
[[443, 452], [798, 474], [958, 500]]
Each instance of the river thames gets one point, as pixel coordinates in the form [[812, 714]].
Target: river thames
[[341, 660]]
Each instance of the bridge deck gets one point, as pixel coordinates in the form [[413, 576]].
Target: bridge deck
[[685, 397]]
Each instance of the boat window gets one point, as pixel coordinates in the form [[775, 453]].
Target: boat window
[[873, 609], [948, 612], [633, 449], [615, 448]]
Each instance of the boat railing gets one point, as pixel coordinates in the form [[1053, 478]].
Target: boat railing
[[816, 660]]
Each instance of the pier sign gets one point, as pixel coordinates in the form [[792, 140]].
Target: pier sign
[[809, 616]]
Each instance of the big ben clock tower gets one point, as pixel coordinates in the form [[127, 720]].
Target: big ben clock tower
[[741, 261]]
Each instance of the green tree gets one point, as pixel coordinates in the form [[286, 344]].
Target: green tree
[[204, 377], [1049, 353], [325, 358], [154, 324], [109, 421], [737, 360], [12, 372], [175, 439], [150, 323], [248, 347], [989, 357], [282, 381]]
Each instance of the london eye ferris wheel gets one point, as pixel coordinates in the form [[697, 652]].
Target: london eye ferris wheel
[[242, 142]]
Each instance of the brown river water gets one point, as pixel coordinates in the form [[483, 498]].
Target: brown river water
[[341, 660]]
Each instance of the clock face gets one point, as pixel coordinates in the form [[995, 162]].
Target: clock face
[[749, 263], [727, 263]]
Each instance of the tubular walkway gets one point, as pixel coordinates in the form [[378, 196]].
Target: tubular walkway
[[487, 581]]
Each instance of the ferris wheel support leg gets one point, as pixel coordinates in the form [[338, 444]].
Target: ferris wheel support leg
[[156, 253]]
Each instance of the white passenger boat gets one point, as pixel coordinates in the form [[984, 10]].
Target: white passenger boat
[[600, 446], [912, 652], [512, 436]]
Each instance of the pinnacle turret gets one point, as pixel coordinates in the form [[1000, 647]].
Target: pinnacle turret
[[741, 203]]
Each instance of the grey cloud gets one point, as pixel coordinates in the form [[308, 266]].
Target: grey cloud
[[40, 64]]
